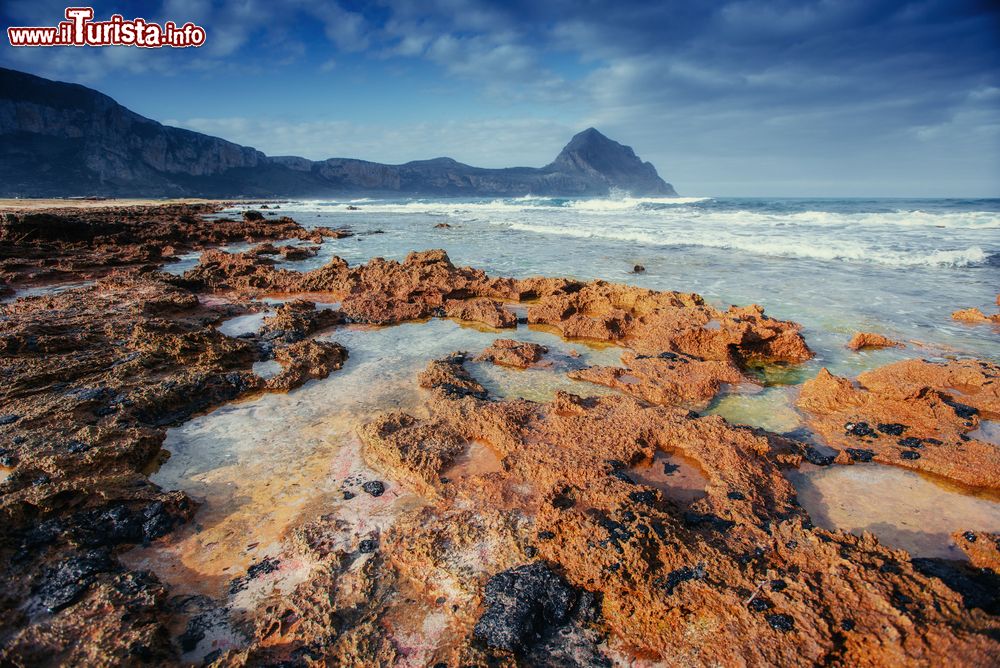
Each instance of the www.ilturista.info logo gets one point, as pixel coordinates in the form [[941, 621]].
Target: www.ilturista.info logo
[[79, 29]]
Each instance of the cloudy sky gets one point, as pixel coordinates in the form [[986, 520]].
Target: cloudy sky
[[747, 97]]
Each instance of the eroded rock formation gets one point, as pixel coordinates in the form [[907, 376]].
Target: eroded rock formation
[[914, 414], [865, 340]]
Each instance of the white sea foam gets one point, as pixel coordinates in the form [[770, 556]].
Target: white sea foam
[[904, 237], [772, 246]]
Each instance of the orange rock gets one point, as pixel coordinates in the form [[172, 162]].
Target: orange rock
[[481, 309], [449, 376], [863, 340], [913, 414], [306, 360], [665, 379], [974, 315], [653, 322], [508, 352], [982, 548], [736, 576]]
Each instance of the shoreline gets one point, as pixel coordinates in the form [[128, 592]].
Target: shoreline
[[575, 545]]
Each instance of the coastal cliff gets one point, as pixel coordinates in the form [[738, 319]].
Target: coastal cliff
[[59, 139]]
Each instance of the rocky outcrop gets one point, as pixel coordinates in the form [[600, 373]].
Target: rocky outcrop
[[975, 316], [866, 340], [69, 243], [668, 379], [487, 532], [508, 352], [671, 579], [914, 414], [487, 311], [653, 322], [59, 139]]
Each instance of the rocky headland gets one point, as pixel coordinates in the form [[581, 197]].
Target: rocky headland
[[99, 147]]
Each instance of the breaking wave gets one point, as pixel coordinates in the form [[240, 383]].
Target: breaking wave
[[774, 246], [895, 233]]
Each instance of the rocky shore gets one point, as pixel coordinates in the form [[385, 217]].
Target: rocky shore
[[530, 535]]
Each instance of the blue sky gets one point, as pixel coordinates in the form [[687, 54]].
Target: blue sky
[[747, 97]]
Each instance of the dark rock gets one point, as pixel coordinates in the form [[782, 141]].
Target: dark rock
[[910, 454], [814, 456], [624, 477], [847, 624], [252, 215], [348, 495], [458, 391], [76, 447], [961, 410], [646, 496], [970, 536], [760, 604], [263, 567], [707, 520], [858, 455], [892, 428], [618, 533], [910, 442], [64, 584], [781, 622], [736, 496], [683, 574], [374, 487], [860, 429], [978, 587], [121, 524], [638, 269], [521, 604], [9, 419], [367, 546], [546, 535], [564, 499]]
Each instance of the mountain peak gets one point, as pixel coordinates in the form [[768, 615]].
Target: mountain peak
[[589, 136], [59, 139], [592, 153]]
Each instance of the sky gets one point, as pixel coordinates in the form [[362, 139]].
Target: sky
[[739, 98]]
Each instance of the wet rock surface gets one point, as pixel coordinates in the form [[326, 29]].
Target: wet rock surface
[[548, 550], [521, 604], [517, 354], [660, 568], [667, 379], [481, 309], [976, 317], [653, 322], [870, 340], [915, 414]]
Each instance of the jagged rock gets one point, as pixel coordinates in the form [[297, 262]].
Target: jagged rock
[[863, 340], [919, 399], [508, 352]]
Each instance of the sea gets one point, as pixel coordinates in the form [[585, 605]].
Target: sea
[[895, 266]]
